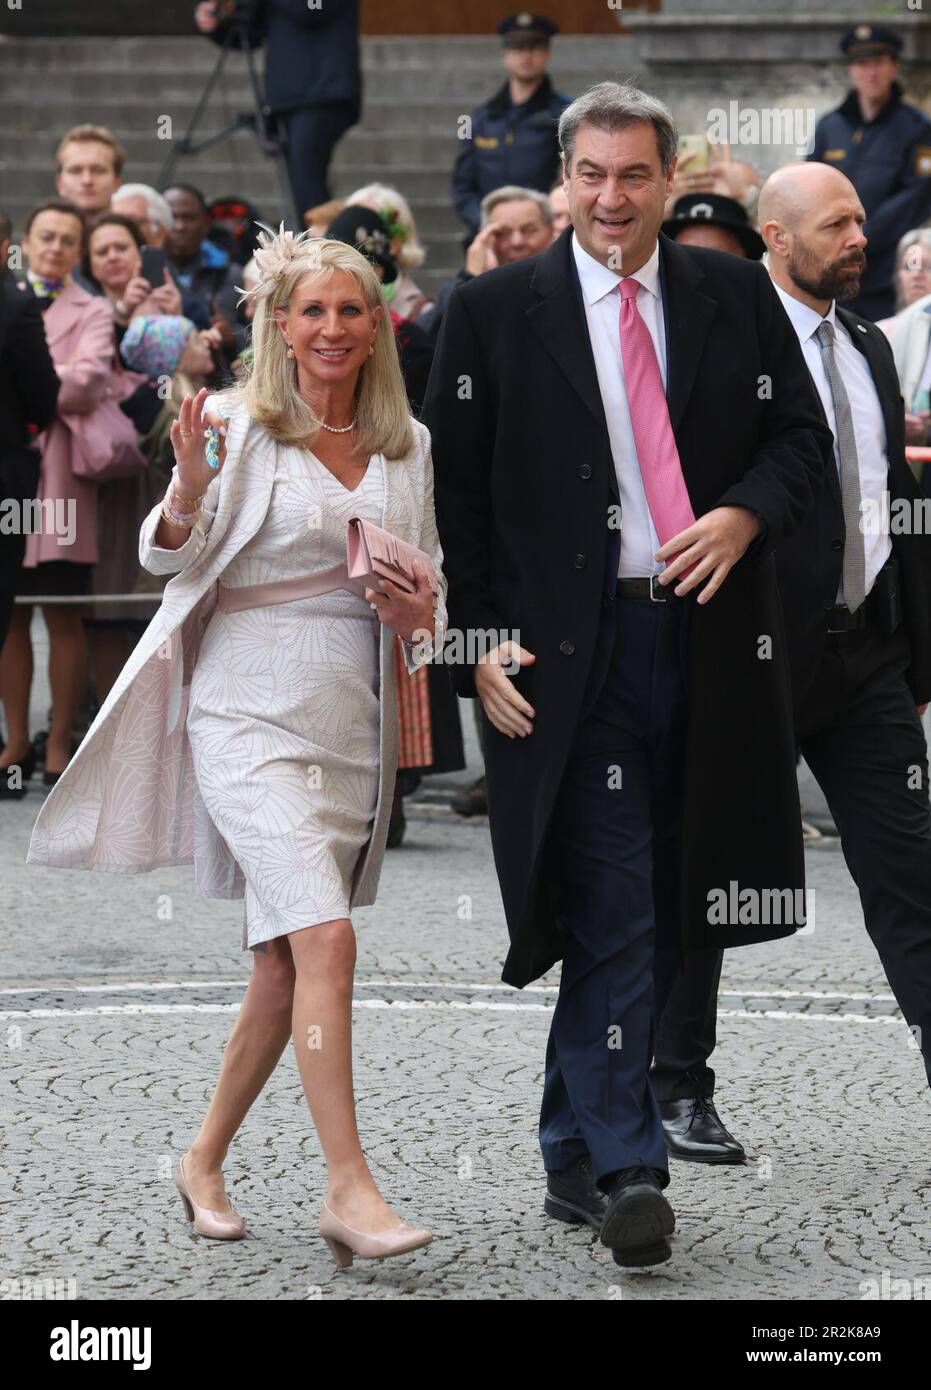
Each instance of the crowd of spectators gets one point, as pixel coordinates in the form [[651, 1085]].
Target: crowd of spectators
[[138, 293]]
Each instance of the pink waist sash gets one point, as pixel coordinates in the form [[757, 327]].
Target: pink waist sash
[[231, 600]]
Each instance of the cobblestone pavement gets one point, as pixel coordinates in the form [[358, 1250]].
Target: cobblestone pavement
[[117, 999]]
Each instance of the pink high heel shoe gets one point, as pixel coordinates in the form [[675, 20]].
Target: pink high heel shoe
[[344, 1241], [222, 1225]]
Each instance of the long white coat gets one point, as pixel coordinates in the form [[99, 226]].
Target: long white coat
[[128, 801]]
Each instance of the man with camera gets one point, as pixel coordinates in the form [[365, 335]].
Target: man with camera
[[313, 84]]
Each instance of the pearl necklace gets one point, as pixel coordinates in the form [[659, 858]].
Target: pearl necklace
[[333, 428]]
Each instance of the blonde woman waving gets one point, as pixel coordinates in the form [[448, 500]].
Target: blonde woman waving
[[253, 728]]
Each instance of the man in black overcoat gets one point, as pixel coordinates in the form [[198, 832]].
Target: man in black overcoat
[[641, 766]]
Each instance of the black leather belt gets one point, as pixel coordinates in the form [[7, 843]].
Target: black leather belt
[[647, 588], [840, 619], [880, 608]]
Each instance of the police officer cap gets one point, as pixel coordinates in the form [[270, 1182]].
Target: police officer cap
[[525, 29], [871, 41]]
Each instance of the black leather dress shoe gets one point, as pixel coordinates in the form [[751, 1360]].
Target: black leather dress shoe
[[473, 801], [694, 1132], [572, 1195], [637, 1219]]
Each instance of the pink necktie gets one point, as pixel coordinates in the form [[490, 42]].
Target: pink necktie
[[667, 495]]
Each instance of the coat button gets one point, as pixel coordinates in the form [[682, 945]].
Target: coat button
[[585, 471], [580, 562], [837, 545], [567, 648]]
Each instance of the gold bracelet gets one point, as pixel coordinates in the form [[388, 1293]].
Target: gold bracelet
[[184, 504], [175, 519]]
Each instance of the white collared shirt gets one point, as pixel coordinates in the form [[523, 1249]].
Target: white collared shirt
[[600, 294], [868, 424]]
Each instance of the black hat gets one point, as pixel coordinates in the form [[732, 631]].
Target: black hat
[[871, 41], [714, 210], [526, 30], [362, 228]]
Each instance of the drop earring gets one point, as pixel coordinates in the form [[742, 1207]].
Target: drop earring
[[290, 352]]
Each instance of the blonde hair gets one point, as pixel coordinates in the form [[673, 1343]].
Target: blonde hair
[[92, 134], [384, 199], [268, 384]]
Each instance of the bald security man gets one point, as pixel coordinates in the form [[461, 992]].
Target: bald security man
[[855, 581]]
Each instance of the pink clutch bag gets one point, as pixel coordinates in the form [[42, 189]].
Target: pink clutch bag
[[373, 553]]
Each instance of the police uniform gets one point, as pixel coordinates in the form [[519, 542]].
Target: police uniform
[[511, 144], [888, 161]]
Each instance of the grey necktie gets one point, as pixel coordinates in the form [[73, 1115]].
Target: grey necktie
[[854, 572]]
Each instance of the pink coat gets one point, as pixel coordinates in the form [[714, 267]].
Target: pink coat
[[79, 330]]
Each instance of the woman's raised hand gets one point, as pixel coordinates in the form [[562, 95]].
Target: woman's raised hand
[[189, 440]]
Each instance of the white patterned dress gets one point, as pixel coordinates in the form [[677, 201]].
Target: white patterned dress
[[283, 718]]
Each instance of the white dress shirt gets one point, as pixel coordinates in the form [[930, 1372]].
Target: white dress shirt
[[868, 424], [639, 541]]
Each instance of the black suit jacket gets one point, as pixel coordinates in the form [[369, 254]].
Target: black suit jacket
[[525, 487], [810, 565], [28, 388]]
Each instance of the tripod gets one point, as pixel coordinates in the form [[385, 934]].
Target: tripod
[[270, 140]]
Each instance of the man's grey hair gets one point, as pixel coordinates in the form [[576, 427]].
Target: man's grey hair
[[613, 106], [513, 193], [159, 207]]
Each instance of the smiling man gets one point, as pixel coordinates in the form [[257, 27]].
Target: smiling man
[[622, 430]]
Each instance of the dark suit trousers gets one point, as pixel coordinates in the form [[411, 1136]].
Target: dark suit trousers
[[615, 842], [312, 133], [861, 736], [686, 1032]]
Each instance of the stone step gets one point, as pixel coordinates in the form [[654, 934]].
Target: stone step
[[128, 114], [436, 151], [376, 53], [466, 86], [414, 180]]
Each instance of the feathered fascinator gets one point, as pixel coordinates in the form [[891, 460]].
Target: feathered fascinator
[[275, 257]]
